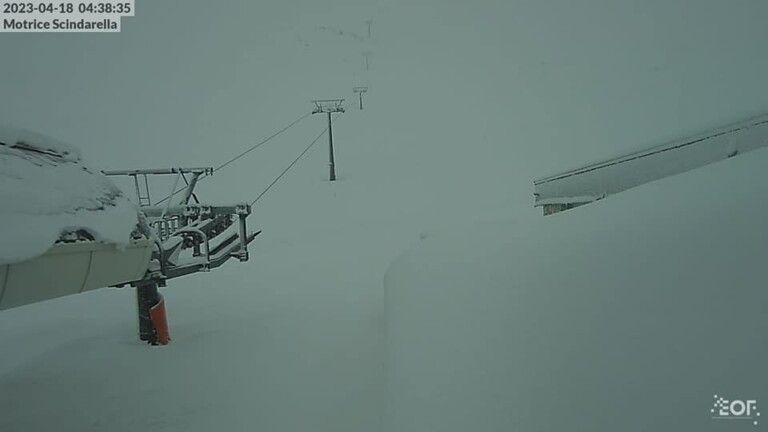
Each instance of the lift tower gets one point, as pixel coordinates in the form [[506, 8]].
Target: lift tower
[[329, 106]]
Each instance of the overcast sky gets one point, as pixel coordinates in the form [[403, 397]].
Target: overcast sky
[[539, 85], [469, 102]]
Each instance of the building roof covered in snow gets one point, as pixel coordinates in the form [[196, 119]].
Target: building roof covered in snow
[[48, 194], [598, 180]]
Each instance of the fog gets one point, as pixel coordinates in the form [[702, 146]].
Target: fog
[[468, 103]]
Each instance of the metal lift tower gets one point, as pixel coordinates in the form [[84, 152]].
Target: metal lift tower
[[359, 91], [329, 106]]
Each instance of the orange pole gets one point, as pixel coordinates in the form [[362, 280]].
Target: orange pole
[[160, 322]]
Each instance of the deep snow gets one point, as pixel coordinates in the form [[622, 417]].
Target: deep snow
[[467, 105], [624, 314], [46, 191]]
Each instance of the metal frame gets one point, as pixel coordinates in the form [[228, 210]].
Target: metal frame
[[188, 237], [220, 230], [596, 181], [143, 196], [328, 106]]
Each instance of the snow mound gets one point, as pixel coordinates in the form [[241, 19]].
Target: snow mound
[[579, 320], [16, 137], [48, 194]]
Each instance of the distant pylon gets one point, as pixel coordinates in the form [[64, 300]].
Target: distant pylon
[[360, 91]]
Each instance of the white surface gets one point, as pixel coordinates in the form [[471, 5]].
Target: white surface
[[580, 320], [467, 104], [72, 268], [615, 175], [45, 194], [11, 136]]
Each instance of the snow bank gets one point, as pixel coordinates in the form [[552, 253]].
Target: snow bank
[[11, 136], [47, 192], [629, 314]]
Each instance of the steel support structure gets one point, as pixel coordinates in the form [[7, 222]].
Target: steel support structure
[[330, 106]]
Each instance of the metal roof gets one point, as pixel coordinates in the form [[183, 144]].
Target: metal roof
[[598, 180]]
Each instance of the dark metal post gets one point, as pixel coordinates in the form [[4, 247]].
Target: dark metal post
[[329, 106], [330, 148], [243, 254], [148, 297], [138, 190], [146, 186], [360, 91]]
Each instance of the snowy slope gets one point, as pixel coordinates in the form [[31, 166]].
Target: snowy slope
[[467, 104], [47, 192], [628, 314]]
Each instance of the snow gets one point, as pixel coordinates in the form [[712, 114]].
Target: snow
[[579, 320], [466, 106], [48, 192], [13, 136], [618, 174]]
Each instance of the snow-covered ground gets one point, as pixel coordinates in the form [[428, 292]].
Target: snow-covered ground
[[625, 314], [467, 105]]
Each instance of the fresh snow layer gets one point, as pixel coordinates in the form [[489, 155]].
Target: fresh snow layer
[[46, 191], [629, 314], [466, 105], [615, 175], [12, 136]]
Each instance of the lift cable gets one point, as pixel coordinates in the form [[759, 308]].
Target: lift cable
[[314, 141], [254, 147], [264, 141]]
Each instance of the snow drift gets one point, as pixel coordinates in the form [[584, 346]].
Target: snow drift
[[629, 314], [47, 194]]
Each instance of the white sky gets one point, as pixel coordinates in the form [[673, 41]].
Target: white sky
[[559, 82], [468, 103]]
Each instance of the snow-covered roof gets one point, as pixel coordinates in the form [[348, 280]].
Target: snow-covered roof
[[46, 192], [611, 176]]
